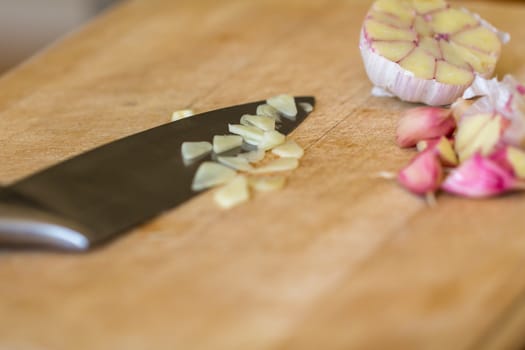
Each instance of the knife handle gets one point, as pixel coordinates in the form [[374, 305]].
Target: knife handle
[[25, 223]]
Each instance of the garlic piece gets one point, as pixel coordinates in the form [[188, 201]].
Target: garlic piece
[[277, 165], [306, 107], [511, 158], [250, 134], [480, 177], [271, 139], [267, 184], [285, 104], [503, 97], [192, 150], [423, 123], [210, 174], [223, 143], [253, 156], [236, 163], [430, 56], [261, 122], [268, 111], [423, 175], [232, 193], [479, 133], [182, 114], [289, 149]]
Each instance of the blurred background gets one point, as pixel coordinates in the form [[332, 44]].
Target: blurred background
[[29, 25]]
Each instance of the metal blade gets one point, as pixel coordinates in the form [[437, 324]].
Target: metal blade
[[114, 187]]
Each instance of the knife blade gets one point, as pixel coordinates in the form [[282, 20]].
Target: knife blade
[[89, 199]]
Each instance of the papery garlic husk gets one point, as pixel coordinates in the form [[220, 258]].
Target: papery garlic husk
[[505, 98], [479, 133], [480, 177], [423, 123], [427, 51], [423, 175]]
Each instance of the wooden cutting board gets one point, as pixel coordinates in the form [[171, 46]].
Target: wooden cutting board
[[337, 260]]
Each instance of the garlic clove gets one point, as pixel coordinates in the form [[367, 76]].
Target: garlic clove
[[277, 165], [445, 150], [261, 122], [232, 193], [306, 107], [479, 133], [271, 139], [236, 163], [289, 149], [192, 150], [253, 156], [423, 123], [285, 104], [267, 184], [479, 177], [250, 134], [268, 111], [181, 114], [510, 158], [223, 143], [210, 174], [430, 57], [423, 175]]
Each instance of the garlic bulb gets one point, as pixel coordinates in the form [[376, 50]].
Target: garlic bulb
[[426, 50]]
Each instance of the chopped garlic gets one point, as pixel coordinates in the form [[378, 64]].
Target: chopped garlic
[[233, 193], [277, 165], [271, 139], [183, 113], [253, 156], [192, 150], [267, 184], [289, 149], [211, 174], [258, 121], [268, 111], [223, 143], [236, 163], [284, 104], [250, 134], [306, 107]]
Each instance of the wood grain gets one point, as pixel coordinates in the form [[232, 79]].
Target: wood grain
[[337, 260]]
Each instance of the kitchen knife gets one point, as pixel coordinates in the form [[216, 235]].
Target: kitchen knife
[[89, 199]]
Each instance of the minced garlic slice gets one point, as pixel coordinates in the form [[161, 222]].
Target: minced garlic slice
[[210, 174], [253, 156], [232, 193], [183, 113], [223, 143], [271, 139], [268, 111], [289, 149], [192, 150], [306, 107], [250, 134], [261, 122], [267, 184], [284, 104], [236, 163], [277, 165]]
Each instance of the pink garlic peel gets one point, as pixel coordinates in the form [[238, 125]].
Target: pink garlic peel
[[424, 123], [480, 177], [423, 175], [426, 51], [502, 97]]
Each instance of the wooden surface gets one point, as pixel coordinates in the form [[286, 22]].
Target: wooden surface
[[337, 260]]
